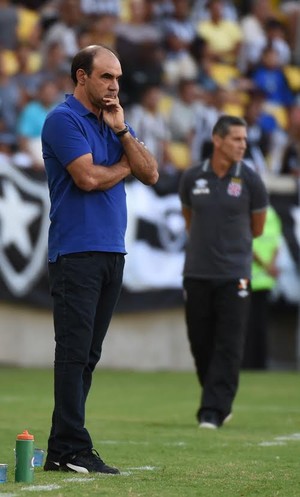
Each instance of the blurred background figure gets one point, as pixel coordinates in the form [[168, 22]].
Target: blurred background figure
[[269, 77], [254, 35], [100, 30], [201, 12], [276, 37], [65, 28], [291, 150], [31, 120], [9, 20], [138, 43], [222, 35], [10, 98], [27, 75], [262, 129], [182, 117], [95, 8], [291, 12], [179, 33], [264, 277], [151, 127]]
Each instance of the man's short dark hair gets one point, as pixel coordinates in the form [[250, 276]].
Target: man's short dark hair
[[224, 123], [84, 59]]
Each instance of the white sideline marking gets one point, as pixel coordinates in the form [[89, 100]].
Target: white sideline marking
[[42, 487], [270, 444], [144, 468], [175, 444], [8, 495], [131, 442], [78, 479], [294, 437], [282, 440], [119, 442]]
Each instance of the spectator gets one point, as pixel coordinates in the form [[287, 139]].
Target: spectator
[[101, 29], [269, 77], [291, 13], [9, 20], [139, 29], [31, 120], [291, 150], [254, 35], [222, 35], [186, 105], [65, 29], [179, 34], [261, 130], [27, 76], [10, 98], [264, 277], [276, 37], [53, 61], [151, 126], [201, 12], [93, 8], [203, 60], [138, 43], [207, 114]]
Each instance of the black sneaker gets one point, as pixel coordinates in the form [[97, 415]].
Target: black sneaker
[[210, 419], [51, 465], [88, 461], [213, 419]]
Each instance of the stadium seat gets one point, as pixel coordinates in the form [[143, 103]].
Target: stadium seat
[[180, 154], [224, 74], [279, 112], [292, 74]]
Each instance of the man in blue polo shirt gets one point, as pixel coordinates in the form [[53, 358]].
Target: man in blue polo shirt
[[224, 204], [88, 151]]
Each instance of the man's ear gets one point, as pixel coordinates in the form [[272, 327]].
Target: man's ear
[[81, 76], [217, 140]]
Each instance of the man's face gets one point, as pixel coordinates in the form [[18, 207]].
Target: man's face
[[104, 79], [233, 146]]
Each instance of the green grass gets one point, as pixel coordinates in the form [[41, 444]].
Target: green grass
[[144, 423]]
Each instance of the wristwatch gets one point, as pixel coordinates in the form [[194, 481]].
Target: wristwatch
[[123, 131]]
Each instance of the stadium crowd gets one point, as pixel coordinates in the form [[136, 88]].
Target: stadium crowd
[[185, 62]]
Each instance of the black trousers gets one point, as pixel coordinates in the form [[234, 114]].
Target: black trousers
[[256, 343], [85, 288], [216, 314]]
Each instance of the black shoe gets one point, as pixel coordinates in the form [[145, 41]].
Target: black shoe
[[210, 419], [51, 465], [213, 419], [88, 461]]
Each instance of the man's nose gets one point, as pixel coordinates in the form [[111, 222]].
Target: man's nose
[[114, 84]]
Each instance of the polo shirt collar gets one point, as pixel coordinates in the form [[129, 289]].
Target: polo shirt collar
[[235, 169], [77, 106]]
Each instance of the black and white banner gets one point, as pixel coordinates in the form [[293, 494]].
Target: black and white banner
[[155, 242]]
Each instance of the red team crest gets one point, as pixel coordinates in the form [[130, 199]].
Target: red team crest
[[234, 188]]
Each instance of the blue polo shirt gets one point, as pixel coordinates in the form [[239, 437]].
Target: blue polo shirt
[[79, 220], [220, 238]]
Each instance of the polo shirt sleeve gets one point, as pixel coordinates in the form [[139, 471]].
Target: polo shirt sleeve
[[259, 195], [64, 137], [183, 190]]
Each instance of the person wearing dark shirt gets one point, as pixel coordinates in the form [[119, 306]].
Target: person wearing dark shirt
[[224, 204]]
